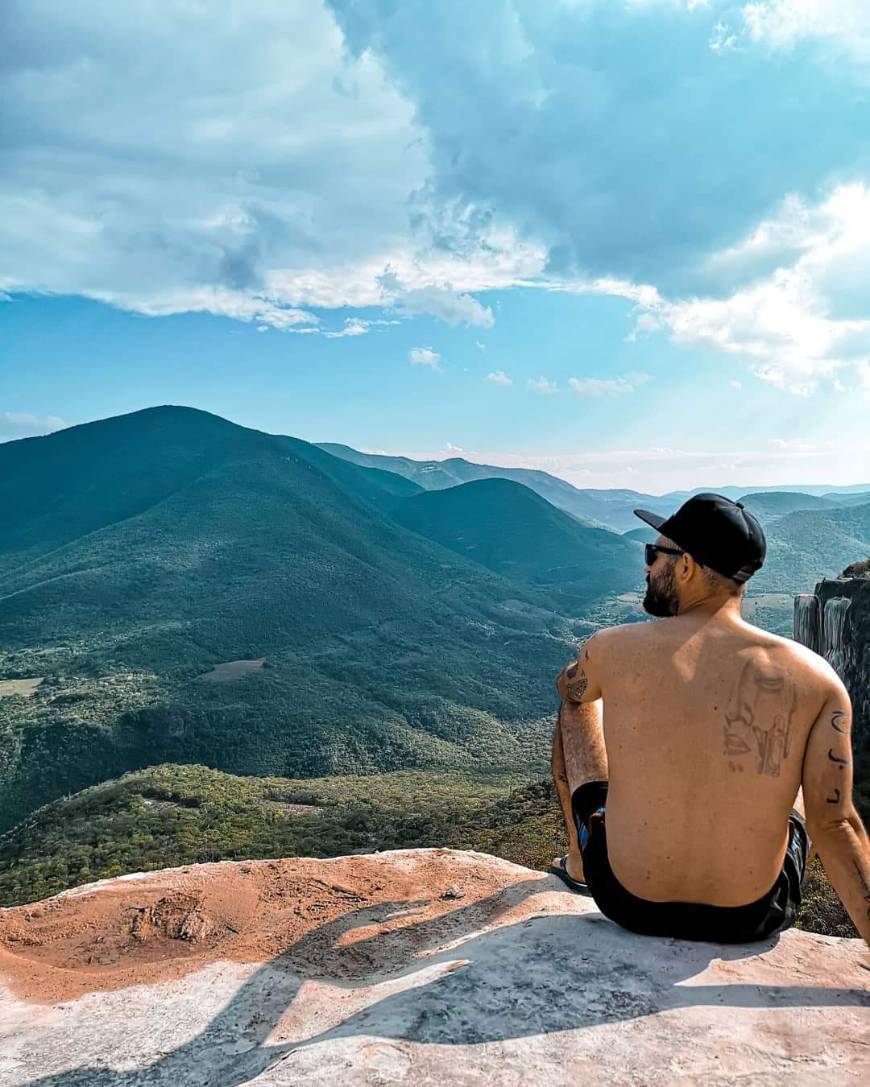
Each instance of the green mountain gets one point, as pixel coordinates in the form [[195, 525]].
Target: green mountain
[[642, 534], [604, 508], [767, 505], [861, 498], [807, 545], [513, 531], [139, 553]]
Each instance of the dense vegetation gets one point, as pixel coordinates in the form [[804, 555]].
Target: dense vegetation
[[514, 532], [172, 815], [177, 541]]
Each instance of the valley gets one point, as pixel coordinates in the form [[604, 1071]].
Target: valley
[[223, 643]]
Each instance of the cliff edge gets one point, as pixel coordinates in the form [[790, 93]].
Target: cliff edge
[[418, 967]]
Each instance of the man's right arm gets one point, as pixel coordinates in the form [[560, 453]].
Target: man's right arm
[[834, 825], [579, 681]]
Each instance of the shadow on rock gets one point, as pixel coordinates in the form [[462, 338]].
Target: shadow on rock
[[544, 974]]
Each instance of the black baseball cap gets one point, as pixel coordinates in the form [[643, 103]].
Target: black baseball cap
[[716, 532]]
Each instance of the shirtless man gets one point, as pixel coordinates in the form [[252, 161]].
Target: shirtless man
[[682, 744]]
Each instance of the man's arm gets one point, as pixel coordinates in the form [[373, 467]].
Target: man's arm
[[834, 825], [579, 681]]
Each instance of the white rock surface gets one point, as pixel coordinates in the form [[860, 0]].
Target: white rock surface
[[440, 968]]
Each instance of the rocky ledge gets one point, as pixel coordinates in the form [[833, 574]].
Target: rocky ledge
[[417, 967]]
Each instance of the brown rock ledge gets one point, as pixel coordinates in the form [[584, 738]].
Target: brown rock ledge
[[416, 966]]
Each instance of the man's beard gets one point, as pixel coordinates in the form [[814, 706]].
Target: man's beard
[[661, 594]]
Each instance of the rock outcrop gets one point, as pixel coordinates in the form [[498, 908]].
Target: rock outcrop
[[417, 967], [835, 622]]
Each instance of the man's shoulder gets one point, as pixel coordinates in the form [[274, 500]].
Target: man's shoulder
[[799, 660], [617, 636], [786, 649]]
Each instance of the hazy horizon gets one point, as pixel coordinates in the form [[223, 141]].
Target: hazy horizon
[[497, 459]]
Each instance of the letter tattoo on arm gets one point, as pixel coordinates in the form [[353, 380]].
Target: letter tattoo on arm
[[837, 722], [840, 762], [835, 799]]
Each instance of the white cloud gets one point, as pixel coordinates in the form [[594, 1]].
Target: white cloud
[[23, 425], [266, 172], [795, 445], [498, 377], [646, 322], [542, 385], [596, 386], [805, 321], [449, 305], [353, 326], [281, 167], [687, 5], [425, 356], [722, 39], [781, 24]]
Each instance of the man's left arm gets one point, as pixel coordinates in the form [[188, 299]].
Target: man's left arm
[[580, 681]]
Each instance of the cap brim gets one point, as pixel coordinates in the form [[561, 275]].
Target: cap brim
[[653, 519]]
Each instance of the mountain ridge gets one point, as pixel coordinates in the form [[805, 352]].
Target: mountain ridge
[[379, 644]]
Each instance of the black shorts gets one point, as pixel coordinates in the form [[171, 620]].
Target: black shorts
[[773, 912]]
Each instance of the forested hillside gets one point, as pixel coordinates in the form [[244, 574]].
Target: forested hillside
[[513, 531], [167, 816], [139, 553]]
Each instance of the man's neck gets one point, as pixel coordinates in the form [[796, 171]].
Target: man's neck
[[720, 605]]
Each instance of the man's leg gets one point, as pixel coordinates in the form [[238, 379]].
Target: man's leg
[[579, 756]]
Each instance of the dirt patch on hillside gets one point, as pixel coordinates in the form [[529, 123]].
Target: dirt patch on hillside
[[24, 687], [347, 915], [291, 809], [230, 670]]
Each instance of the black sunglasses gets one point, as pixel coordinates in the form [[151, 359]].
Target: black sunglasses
[[651, 550]]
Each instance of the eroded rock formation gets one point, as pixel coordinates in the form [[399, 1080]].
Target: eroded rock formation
[[835, 622], [416, 967]]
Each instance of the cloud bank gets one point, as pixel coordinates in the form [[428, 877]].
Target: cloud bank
[[301, 157], [24, 425]]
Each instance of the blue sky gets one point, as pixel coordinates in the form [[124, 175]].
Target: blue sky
[[625, 241]]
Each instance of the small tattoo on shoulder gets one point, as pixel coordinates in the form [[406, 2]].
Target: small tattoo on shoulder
[[840, 762], [837, 718], [577, 690]]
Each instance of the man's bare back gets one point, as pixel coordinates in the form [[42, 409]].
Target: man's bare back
[[682, 746], [705, 724]]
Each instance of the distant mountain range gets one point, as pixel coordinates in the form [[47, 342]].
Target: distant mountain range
[[611, 509], [372, 613]]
